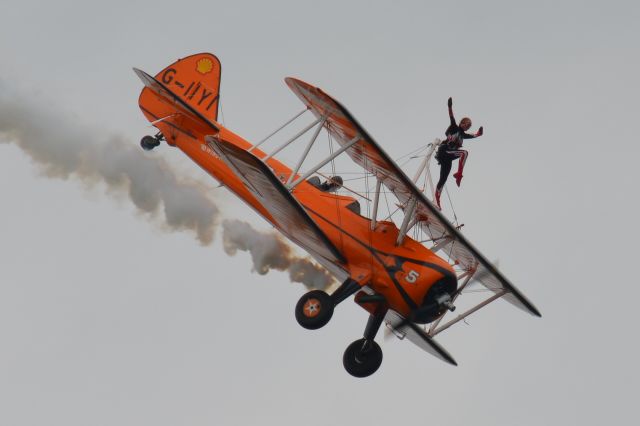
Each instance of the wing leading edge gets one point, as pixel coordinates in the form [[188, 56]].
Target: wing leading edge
[[366, 153]]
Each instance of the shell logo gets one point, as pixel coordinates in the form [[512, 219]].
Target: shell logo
[[204, 65]]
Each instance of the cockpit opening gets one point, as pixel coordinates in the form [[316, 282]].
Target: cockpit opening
[[330, 185]]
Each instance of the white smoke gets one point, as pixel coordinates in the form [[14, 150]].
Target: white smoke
[[64, 149], [268, 251]]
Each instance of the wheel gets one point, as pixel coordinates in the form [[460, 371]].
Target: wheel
[[314, 309], [362, 358], [148, 143]]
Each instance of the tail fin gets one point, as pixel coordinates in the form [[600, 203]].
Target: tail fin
[[195, 80]]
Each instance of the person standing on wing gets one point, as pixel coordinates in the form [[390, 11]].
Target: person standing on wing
[[449, 149]]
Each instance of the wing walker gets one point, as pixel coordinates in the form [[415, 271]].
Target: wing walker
[[407, 283]]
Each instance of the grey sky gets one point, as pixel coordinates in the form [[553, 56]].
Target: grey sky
[[105, 319]]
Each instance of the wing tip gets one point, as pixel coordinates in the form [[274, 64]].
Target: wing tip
[[529, 307], [141, 74], [449, 360], [446, 357]]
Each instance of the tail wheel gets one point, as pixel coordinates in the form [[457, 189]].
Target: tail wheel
[[362, 358], [149, 142], [314, 309]]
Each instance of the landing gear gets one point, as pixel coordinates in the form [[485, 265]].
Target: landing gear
[[149, 142], [362, 358], [314, 310]]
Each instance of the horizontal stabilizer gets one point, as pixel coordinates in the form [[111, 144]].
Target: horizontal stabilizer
[[179, 106]]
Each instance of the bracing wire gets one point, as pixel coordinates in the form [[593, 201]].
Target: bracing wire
[[333, 173], [221, 112], [415, 151], [455, 217]]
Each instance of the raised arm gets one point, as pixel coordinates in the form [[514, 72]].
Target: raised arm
[[475, 135], [450, 105]]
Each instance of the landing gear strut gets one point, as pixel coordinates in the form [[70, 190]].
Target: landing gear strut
[[364, 356], [149, 142], [314, 310]]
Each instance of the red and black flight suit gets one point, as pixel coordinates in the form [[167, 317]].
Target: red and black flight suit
[[450, 150]]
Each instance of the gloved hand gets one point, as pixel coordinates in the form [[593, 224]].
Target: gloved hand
[[480, 131], [450, 102]]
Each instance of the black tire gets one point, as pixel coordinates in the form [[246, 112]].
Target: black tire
[[148, 143], [314, 309], [362, 358]]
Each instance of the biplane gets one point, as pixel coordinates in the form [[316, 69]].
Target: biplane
[[408, 284]]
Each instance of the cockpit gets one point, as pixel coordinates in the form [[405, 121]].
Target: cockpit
[[331, 185]]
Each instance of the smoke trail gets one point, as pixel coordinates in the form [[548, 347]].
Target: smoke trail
[[64, 149], [268, 251]]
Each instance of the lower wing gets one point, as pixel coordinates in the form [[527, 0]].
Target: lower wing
[[291, 218]]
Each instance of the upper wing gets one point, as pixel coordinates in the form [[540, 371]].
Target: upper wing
[[292, 220], [366, 153]]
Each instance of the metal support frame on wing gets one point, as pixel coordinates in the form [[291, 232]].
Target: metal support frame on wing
[[306, 150], [278, 129], [376, 200], [323, 162], [290, 141], [408, 219], [443, 242], [467, 313], [424, 166]]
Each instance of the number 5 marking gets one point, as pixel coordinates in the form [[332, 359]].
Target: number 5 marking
[[412, 276]]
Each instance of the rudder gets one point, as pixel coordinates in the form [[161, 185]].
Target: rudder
[[196, 81]]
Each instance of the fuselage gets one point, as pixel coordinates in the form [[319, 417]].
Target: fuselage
[[403, 274]]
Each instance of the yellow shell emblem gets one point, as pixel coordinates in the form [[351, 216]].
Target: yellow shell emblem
[[204, 66]]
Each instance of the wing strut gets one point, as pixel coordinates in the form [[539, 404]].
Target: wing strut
[[424, 166], [287, 143], [306, 150], [467, 313], [408, 218], [278, 129], [376, 199], [467, 278], [323, 162]]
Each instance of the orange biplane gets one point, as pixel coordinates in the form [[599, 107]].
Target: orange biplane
[[400, 281]]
